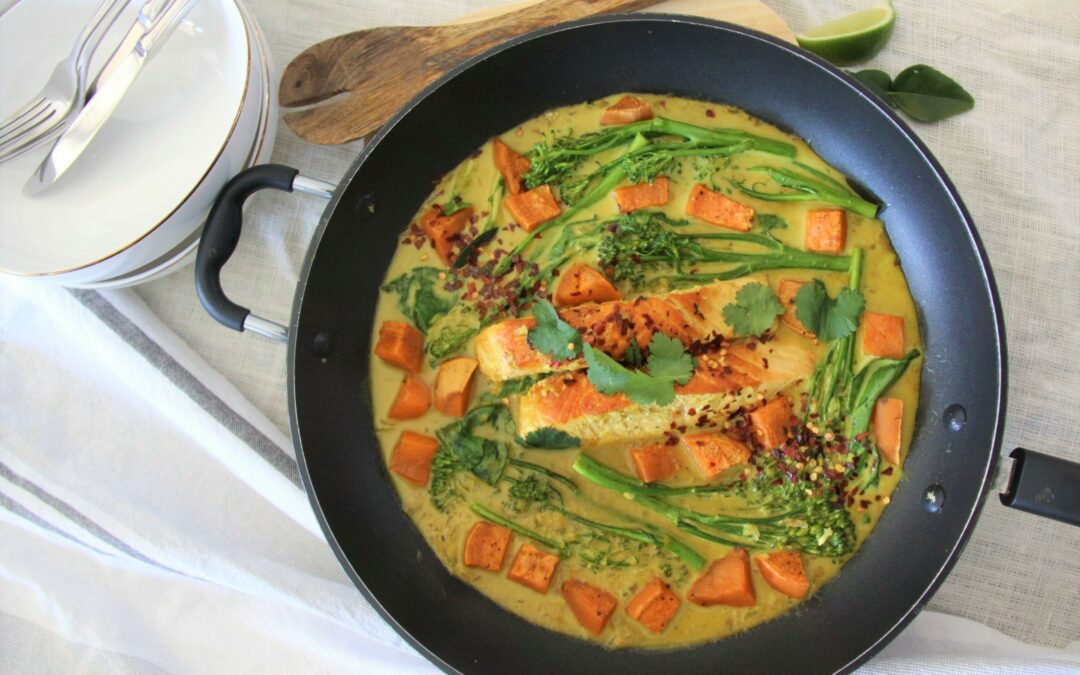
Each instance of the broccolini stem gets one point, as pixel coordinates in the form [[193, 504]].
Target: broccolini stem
[[529, 466], [488, 514]]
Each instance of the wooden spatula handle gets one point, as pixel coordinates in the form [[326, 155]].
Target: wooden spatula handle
[[391, 65]]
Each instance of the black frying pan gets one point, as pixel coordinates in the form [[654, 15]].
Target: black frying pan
[[963, 393]]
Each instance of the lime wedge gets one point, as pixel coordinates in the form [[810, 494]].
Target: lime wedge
[[853, 38]]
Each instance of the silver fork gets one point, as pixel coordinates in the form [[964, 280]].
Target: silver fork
[[64, 94]]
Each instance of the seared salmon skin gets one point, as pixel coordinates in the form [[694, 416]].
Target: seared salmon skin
[[694, 316], [724, 380]]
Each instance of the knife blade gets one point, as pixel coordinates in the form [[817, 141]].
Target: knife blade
[[82, 130]]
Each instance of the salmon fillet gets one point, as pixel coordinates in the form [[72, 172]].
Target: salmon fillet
[[722, 383], [693, 316]]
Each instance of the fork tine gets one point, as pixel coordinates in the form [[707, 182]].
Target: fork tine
[[20, 113], [27, 127]]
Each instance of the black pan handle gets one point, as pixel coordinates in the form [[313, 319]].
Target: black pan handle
[[221, 234], [1043, 485]]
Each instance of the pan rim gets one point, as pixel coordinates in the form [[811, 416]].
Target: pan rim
[[938, 173]]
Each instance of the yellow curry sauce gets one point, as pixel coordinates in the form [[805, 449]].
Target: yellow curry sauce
[[612, 563]]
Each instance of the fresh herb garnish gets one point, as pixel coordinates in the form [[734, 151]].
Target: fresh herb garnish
[[828, 319], [549, 438], [922, 92], [668, 365], [754, 311], [420, 295], [553, 336], [454, 204]]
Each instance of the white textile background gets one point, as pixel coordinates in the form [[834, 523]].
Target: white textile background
[[141, 533]]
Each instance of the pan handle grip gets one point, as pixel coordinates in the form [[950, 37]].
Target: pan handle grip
[[1043, 485], [221, 234]]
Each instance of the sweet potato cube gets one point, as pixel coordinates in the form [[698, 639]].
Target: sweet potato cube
[[886, 423], [826, 230], [642, 195], [401, 345], [453, 385], [716, 452], [511, 166], [769, 422], [592, 606], [580, 284], [786, 291], [445, 231], [533, 568], [413, 399], [654, 462], [626, 110], [883, 335], [726, 582], [411, 457], [719, 209], [654, 606], [532, 208], [784, 571], [486, 546]]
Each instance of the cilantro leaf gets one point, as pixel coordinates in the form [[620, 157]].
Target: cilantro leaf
[[604, 372], [633, 355], [668, 359], [549, 438], [668, 363], [827, 318], [754, 310], [552, 335]]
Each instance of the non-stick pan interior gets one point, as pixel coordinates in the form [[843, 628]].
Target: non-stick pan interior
[[913, 546]]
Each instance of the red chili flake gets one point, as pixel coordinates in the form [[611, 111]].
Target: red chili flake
[[864, 503], [709, 113], [419, 243], [751, 345], [406, 241], [877, 498], [691, 412], [863, 436], [671, 440], [887, 471]]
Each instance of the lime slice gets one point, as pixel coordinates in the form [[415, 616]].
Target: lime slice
[[853, 38]]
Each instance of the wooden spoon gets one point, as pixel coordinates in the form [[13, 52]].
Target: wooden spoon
[[376, 71]]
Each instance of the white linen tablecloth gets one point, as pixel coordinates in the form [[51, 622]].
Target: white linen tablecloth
[[151, 517]]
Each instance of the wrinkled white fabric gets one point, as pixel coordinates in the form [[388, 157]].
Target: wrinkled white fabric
[[150, 518]]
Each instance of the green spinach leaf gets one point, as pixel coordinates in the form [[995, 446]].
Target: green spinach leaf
[[421, 296]]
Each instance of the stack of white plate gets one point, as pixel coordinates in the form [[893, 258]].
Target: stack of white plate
[[132, 207]]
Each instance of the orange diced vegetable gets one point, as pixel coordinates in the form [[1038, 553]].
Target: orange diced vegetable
[[826, 230], [444, 231], [453, 385], [642, 195], [412, 400], [786, 291], [784, 571], [886, 423], [769, 422], [654, 462], [511, 166], [726, 582], [533, 568], [533, 208], [718, 209], [654, 606], [591, 606], [401, 345], [580, 284], [883, 335], [626, 110], [412, 456], [716, 452], [486, 545]]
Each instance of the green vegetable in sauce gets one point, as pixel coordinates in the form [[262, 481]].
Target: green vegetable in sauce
[[421, 296], [460, 449], [869, 385], [638, 242], [810, 185], [549, 439], [488, 514], [754, 310]]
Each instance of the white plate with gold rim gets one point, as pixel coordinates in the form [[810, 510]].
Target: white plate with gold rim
[[155, 166]]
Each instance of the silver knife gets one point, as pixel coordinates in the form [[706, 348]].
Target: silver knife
[[147, 13], [110, 91]]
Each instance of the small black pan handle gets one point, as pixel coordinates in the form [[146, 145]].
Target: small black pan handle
[[221, 234], [1043, 485]]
